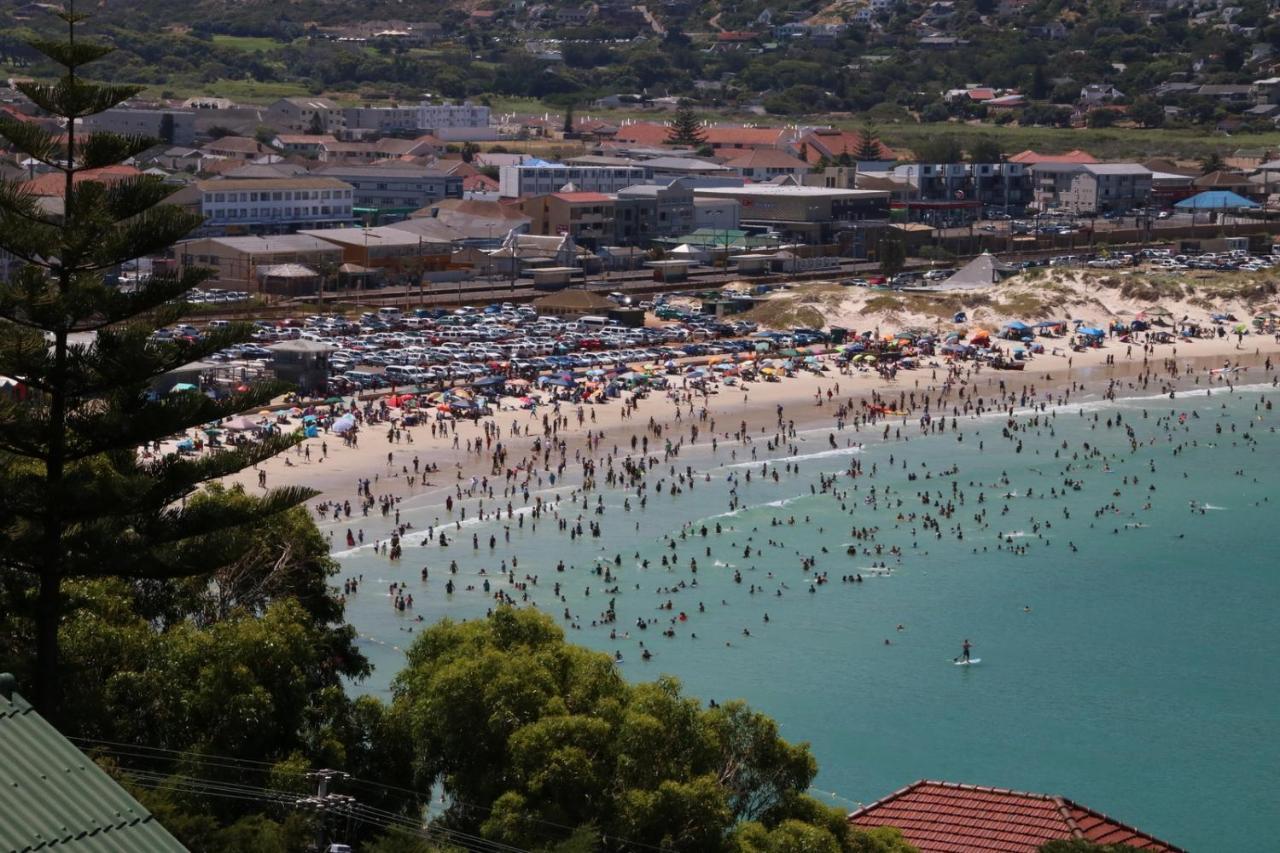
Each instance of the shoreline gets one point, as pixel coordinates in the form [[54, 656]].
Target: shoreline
[[1048, 380]]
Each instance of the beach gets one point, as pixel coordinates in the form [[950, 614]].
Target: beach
[[825, 559]]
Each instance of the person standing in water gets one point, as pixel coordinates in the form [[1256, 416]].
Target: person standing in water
[[964, 654]]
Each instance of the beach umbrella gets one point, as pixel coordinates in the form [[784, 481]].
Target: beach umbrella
[[344, 424], [181, 387], [212, 431], [241, 423], [331, 400], [1241, 328]]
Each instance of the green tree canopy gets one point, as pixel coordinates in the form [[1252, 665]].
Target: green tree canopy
[[533, 738]]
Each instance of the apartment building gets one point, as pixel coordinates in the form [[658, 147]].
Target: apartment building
[[267, 205], [587, 217], [307, 115], [455, 121], [541, 178], [394, 191], [644, 212], [806, 214], [394, 119], [1091, 187]]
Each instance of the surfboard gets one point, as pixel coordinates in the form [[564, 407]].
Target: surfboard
[[969, 662]]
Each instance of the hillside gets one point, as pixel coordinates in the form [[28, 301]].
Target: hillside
[[1032, 61]]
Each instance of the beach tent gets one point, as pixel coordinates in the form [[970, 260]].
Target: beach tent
[[1091, 333], [344, 424], [241, 423], [984, 270]]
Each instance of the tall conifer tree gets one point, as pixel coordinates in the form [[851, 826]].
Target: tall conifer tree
[[76, 499]]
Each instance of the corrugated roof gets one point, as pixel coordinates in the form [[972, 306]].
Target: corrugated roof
[[56, 798], [945, 817]]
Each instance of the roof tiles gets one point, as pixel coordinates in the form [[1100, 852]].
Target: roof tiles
[[945, 817]]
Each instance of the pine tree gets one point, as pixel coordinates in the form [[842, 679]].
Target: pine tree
[[868, 146], [685, 130], [76, 498], [568, 120]]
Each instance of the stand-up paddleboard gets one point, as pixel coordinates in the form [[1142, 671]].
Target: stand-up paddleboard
[[969, 662]]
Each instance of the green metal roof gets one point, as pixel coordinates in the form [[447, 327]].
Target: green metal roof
[[55, 798]]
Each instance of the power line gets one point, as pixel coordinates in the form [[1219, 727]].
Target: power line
[[234, 763]]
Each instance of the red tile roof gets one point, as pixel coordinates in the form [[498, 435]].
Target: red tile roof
[[55, 183], [945, 817], [833, 143], [747, 137], [1031, 157], [643, 133], [765, 158], [479, 183]]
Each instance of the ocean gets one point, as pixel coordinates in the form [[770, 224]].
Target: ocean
[[1119, 589]]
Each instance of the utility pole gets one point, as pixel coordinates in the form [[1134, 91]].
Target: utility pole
[[324, 803]]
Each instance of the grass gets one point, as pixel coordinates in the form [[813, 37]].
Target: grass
[[249, 44], [248, 91]]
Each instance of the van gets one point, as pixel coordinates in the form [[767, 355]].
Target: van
[[389, 315], [592, 323]]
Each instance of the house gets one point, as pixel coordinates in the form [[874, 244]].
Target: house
[[306, 115], [303, 144], [455, 121], [235, 148], [944, 817], [1266, 91], [54, 184], [57, 798], [1227, 94], [1095, 94], [765, 164], [834, 144]]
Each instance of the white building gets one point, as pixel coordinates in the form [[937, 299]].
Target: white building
[[436, 117], [267, 205], [545, 178]]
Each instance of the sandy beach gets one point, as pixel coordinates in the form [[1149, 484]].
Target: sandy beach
[[333, 468]]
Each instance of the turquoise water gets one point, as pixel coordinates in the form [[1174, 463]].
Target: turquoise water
[[1135, 674]]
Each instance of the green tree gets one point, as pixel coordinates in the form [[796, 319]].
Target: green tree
[[685, 131], [533, 738], [1146, 112], [891, 252], [1212, 162], [316, 127], [568, 120], [1101, 118], [868, 146], [943, 148], [985, 149], [77, 499]]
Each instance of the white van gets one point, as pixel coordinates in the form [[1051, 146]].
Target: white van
[[593, 324], [389, 315]]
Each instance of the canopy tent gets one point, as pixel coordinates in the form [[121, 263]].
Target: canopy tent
[[1217, 200]]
